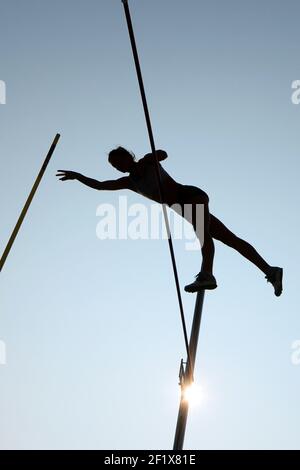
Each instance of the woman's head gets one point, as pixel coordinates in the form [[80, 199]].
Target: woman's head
[[121, 159]]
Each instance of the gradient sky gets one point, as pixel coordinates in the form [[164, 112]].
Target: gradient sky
[[92, 328]]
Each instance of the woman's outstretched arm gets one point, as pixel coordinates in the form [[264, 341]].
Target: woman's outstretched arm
[[109, 185]]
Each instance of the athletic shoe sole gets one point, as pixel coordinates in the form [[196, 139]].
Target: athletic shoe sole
[[196, 288]]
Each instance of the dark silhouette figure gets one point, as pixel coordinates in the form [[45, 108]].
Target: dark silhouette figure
[[142, 180]]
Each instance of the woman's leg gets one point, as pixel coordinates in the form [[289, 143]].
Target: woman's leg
[[196, 211], [220, 232], [208, 246], [201, 223]]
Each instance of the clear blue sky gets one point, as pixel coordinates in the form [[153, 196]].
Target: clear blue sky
[[92, 327]]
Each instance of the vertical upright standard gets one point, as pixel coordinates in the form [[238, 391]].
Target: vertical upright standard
[[187, 373]]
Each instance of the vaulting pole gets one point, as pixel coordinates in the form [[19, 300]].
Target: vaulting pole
[[157, 169], [28, 202], [186, 374]]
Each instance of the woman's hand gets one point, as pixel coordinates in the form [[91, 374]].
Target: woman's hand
[[65, 175]]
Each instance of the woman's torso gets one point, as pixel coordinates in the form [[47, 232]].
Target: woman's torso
[[144, 181]]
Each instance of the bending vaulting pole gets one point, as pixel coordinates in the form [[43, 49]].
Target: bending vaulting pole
[[28, 202], [157, 170], [188, 374]]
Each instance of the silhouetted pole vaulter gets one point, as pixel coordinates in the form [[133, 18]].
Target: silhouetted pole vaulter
[[186, 374], [157, 169], [28, 202], [148, 177]]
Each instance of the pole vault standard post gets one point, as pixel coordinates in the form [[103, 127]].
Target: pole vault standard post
[[28, 202], [187, 373]]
